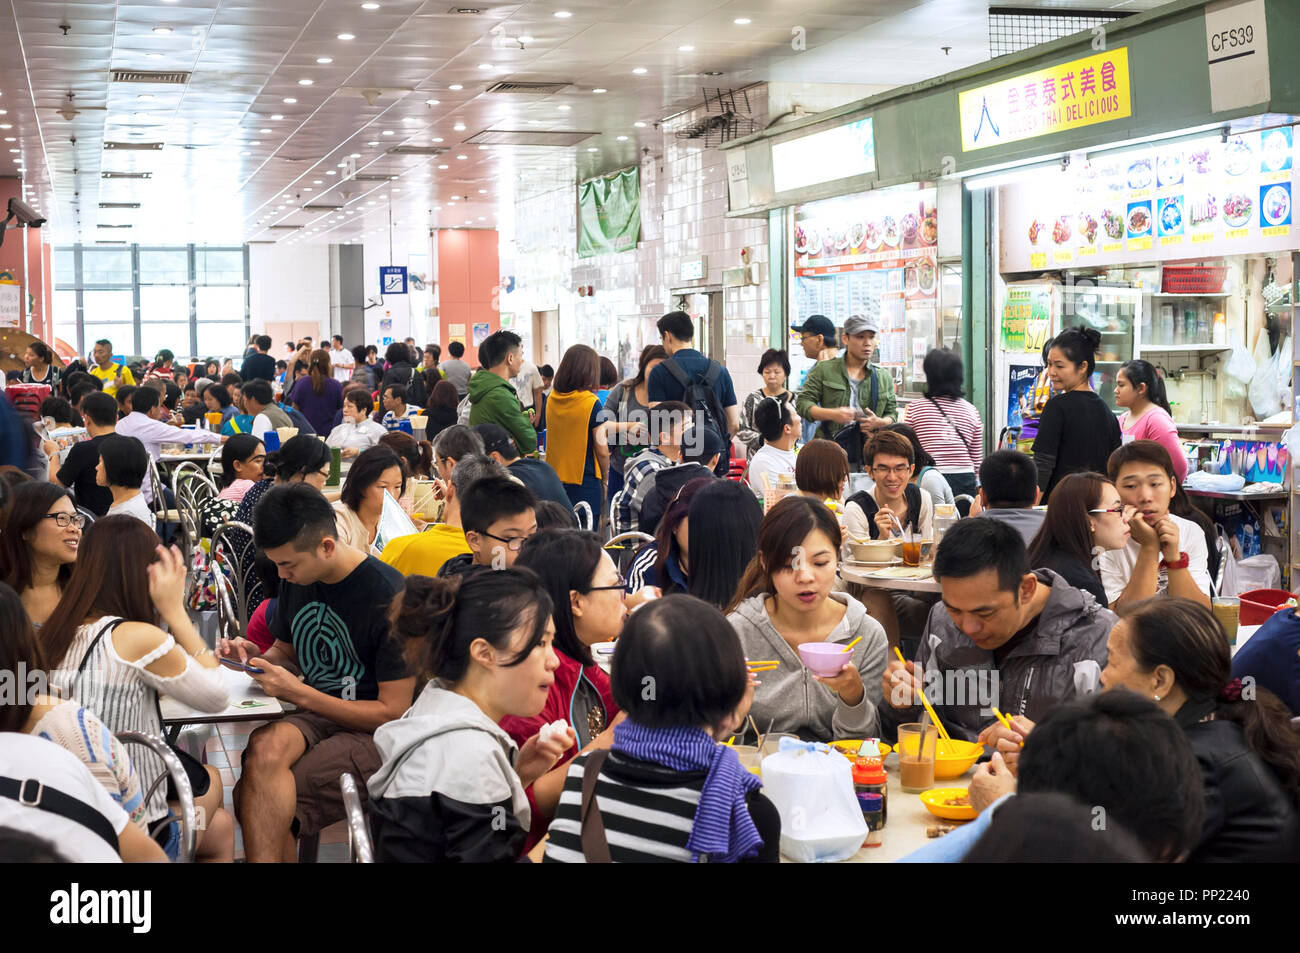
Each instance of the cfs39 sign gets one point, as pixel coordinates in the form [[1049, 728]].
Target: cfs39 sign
[[1236, 47]]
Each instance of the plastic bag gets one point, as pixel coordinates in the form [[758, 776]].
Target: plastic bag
[[393, 522], [1257, 572], [1264, 391], [1239, 368], [811, 786]]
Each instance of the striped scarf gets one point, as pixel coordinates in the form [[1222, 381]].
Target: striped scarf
[[723, 829]]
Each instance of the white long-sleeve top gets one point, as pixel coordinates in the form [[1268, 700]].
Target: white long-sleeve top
[[363, 436], [124, 693]]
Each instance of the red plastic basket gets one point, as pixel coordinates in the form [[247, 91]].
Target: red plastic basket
[[1258, 605], [1199, 280]]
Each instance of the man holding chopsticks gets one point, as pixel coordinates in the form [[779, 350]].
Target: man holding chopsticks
[[1004, 637]]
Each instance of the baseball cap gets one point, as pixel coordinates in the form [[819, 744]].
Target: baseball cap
[[496, 439], [857, 323], [701, 443], [816, 324]]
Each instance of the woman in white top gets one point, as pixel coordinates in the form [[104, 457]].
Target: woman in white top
[[357, 432], [376, 473], [123, 464], [949, 427], [111, 656]]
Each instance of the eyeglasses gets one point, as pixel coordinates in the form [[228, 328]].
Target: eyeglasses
[[512, 544], [896, 471], [622, 585], [1117, 509], [64, 520]]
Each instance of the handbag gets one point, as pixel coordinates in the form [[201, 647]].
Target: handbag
[[970, 456]]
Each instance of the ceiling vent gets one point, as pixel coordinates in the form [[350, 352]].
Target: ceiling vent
[[494, 137], [104, 241], [174, 78], [283, 228], [416, 150], [137, 146], [127, 175], [532, 89], [119, 204], [373, 178], [112, 226], [321, 208]]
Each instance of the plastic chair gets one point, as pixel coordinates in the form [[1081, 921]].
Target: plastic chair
[[360, 848], [191, 487], [181, 781], [624, 546], [238, 553], [957, 501], [89, 515], [613, 508], [582, 513]]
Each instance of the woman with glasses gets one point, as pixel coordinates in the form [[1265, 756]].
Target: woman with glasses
[[376, 473], [39, 537], [1085, 519], [588, 596]]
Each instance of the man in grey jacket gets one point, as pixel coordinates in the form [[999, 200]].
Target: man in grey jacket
[[1009, 492], [1004, 636]]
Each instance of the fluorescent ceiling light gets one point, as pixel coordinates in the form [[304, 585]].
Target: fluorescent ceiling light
[[640, 71], [163, 30], [324, 60], [289, 100], [431, 102], [347, 36], [563, 14], [304, 82], [686, 49], [456, 87], [742, 21]]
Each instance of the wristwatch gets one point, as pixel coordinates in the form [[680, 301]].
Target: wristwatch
[[1181, 563]]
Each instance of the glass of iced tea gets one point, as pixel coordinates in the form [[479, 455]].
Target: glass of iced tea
[[911, 548], [1227, 609], [916, 749]]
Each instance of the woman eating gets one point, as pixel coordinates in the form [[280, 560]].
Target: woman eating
[[1140, 390], [588, 595], [627, 413], [375, 474], [1086, 517], [357, 432], [317, 395], [786, 600], [111, 655], [821, 472], [451, 786], [217, 400], [1077, 431], [242, 460], [575, 443], [666, 790], [774, 366], [39, 540]]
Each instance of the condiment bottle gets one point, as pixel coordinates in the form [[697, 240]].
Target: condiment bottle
[[869, 777], [873, 813]]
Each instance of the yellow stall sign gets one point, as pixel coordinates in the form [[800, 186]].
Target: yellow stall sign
[[1079, 93]]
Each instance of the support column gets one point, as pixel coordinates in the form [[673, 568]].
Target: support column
[[469, 277], [347, 293], [24, 258], [977, 284]]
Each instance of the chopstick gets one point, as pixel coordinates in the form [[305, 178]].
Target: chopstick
[[849, 647], [1006, 722], [943, 732], [764, 668]]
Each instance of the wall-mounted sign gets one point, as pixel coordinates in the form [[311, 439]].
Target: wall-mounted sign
[[609, 213], [738, 179], [825, 156], [693, 269], [392, 279], [1236, 48], [1198, 198], [11, 304], [1078, 93]]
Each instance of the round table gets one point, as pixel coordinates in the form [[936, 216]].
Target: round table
[[866, 576]]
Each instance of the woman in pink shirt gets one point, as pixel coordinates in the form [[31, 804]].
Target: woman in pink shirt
[[1140, 388]]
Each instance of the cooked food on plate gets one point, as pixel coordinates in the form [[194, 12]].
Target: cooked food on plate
[[1171, 215], [1202, 211], [1276, 205], [909, 225], [1170, 169], [857, 232], [1238, 157], [1139, 220], [1199, 161], [1088, 228], [1139, 174], [1061, 231], [1114, 223], [930, 226], [890, 228], [926, 275], [873, 235], [1237, 209], [1035, 229]]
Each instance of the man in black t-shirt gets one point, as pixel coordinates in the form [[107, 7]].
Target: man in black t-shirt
[[77, 472], [330, 624], [259, 365]]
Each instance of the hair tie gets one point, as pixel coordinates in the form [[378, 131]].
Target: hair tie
[[1232, 691]]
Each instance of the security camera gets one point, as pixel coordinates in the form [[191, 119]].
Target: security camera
[[25, 214]]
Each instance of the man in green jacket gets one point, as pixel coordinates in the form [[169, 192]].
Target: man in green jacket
[[492, 396], [847, 388]]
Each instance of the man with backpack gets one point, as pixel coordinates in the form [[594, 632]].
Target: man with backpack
[[702, 384], [850, 388], [402, 372]]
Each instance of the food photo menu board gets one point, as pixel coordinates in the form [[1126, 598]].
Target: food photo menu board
[[1197, 198]]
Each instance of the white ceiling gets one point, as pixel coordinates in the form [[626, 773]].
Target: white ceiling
[[229, 169]]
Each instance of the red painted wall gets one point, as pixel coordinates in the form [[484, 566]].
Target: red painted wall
[[469, 272], [30, 265]]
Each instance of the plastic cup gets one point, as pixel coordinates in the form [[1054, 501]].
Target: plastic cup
[[911, 551], [1227, 609], [916, 750], [213, 417], [772, 743], [750, 758], [286, 434]]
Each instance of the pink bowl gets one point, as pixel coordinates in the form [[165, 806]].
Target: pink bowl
[[824, 658]]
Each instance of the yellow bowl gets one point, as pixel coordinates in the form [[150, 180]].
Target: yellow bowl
[[849, 747], [934, 798], [954, 758]]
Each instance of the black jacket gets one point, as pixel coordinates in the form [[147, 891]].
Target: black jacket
[[1248, 816], [405, 375]]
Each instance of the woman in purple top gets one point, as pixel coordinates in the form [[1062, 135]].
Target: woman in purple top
[[317, 395]]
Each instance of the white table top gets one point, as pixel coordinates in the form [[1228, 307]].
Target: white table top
[[247, 703], [1244, 632], [174, 458], [864, 576]]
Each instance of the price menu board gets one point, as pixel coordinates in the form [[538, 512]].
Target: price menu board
[[1198, 198]]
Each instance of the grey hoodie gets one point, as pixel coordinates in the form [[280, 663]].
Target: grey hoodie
[[1059, 660], [790, 697], [447, 788]]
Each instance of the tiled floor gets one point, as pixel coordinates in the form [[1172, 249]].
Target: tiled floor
[[224, 750]]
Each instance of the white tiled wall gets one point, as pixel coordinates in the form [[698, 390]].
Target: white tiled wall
[[683, 209]]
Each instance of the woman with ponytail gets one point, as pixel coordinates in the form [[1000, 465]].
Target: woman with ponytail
[[1175, 652], [1141, 390], [1077, 431], [317, 395], [451, 786]]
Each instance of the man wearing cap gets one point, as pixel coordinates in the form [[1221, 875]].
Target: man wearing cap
[[538, 475], [847, 388], [817, 335]]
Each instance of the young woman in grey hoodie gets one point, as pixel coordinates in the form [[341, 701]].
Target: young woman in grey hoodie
[[790, 602], [451, 786]]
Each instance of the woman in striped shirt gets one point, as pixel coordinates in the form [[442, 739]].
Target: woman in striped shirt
[[949, 427], [667, 791], [114, 659]]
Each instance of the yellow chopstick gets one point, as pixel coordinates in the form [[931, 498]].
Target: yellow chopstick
[[1006, 722], [764, 668], [943, 732], [849, 647], [767, 661]]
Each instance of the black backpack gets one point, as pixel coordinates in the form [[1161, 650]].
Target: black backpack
[[666, 483], [703, 400]]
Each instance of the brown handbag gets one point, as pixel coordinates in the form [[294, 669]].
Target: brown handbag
[[595, 848]]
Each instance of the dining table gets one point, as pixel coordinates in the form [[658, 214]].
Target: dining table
[[248, 702]]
